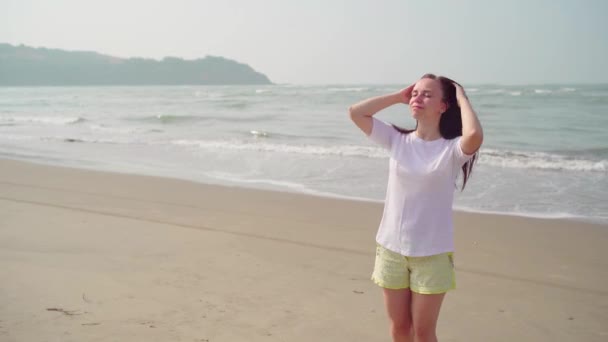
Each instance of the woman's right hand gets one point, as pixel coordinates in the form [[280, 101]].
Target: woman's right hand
[[361, 113], [405, 95]]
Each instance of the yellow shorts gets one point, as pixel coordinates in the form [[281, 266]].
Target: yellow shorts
[[427, 275]]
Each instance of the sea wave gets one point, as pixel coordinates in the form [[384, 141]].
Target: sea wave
[[540, 160], [282, 184], [169, 118], [491, 157], [121, 130], [237, 145], [348, 89], [68, 139], [41, 120]]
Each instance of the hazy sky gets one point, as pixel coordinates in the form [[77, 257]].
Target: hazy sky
[[336, 41]]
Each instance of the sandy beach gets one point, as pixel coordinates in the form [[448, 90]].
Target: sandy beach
[[95, 256]]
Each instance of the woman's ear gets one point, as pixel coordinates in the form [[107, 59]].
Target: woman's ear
[[444, 107]]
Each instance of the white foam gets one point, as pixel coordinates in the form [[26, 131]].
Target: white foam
[[45, 120], [355, 89], [121, 130], [300, 188], [344, 150], [295, 187], [17, 137], [541, 215], [259, 134], [539, 160], [241, 179], [542, 91], [506, 159], [68, 139]]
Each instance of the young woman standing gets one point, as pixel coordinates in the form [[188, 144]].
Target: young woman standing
[[415, 244]]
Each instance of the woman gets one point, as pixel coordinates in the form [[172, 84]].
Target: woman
[[414, 264]]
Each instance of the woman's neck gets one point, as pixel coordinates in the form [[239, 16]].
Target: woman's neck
[[428, 131]]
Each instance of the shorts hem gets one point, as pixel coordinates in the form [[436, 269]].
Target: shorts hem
[[422, 290], [385, 286]]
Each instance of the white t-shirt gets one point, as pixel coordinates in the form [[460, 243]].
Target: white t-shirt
[[417, 218]]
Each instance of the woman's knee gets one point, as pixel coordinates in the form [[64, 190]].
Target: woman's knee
[[424, 332], [401, 328]]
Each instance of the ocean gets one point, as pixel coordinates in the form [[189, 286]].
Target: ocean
[[545, 152]]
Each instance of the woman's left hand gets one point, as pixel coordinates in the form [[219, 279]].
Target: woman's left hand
[[460, 94]]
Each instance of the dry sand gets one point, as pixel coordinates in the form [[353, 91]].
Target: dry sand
[[93, 256]]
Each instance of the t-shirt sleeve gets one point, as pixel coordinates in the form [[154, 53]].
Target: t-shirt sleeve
[[459, 156], [383, 134]]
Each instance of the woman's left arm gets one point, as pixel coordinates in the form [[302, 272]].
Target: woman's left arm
[[472, 134]]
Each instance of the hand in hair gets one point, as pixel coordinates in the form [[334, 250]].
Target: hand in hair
[[460, 93], [406, 94]]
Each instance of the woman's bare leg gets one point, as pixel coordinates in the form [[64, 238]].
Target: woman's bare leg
[[398, 306], [425, 312]]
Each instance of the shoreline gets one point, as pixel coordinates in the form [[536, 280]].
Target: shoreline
[[315, 193]]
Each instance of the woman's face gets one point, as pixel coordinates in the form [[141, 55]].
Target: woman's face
[[427, 99]]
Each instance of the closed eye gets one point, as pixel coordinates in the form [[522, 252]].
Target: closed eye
[[424, 93]]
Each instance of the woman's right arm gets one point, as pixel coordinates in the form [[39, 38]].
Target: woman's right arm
[[361, 113]]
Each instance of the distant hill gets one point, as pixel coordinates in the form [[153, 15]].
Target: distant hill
[[24, 66]]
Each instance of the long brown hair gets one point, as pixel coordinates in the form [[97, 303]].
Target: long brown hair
[[450, 123]]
